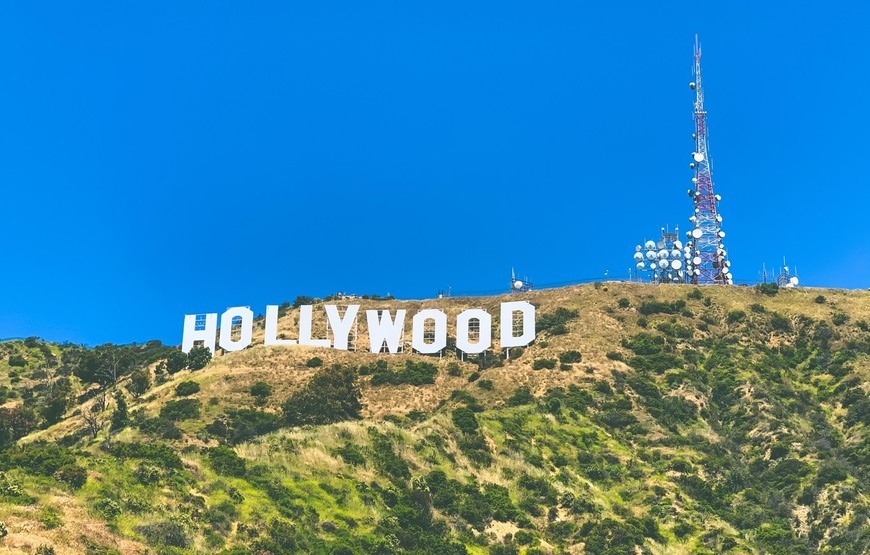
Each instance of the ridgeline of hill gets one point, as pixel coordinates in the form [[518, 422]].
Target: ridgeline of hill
[[643, 419]]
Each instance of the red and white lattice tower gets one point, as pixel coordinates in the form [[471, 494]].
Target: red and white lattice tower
[[706, 257]]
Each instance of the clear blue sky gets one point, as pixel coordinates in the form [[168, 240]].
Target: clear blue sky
[[163, 158]]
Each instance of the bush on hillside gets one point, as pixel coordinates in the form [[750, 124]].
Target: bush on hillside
[[187, 387], [332, 395], [198, 357], [182, 409], [414, 373]]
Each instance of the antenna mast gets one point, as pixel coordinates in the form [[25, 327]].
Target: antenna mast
[[708, 258]]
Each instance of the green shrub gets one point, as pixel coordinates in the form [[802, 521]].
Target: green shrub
[[453, 369], [821, 299], [522, 396], [158, 453], [238, 426], [261, 391], [50, 517], [414, 373], [485, 384], [17, 361], [473, 377], [198, 357], [351, 454], [73, 475], [314, 362], [769, 289], [780, 323], [45, 550], [226, 462], [162, 427], [735, 316], [188, 387], [40, 459], [182, 409], [613, 355], [839, 318], [176, 362], [695, 294], [554, 322], [648, 308], [541, 363], [569, 357], [757, 308], [166, 533], [107, 507], [624, 303], [332, 395], [464, 420]]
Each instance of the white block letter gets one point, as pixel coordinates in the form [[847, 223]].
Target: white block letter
[[384, 328], [206, 335], [305, 329], [227, 318], [507, 324], [419, 324], [271, 337], [341, 327], [462, 321]]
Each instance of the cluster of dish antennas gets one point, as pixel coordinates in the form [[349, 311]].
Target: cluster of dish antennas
[[664, 260], [694, 260]]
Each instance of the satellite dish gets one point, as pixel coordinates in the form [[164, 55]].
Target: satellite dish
[[677, 264], [718, 197], [651, 255], [660, 245], [663, 254], [697, 233], [638, 256], [697, 272], [725, 270], [691, 192], [650, 245], [721, 233], [694, 180], [692, 165], [678, 245], [698, 156], [719, 218], [641, 265], [680, 273], [692, 86], [793, 280], [692, 218], [694, 136], [696, 261], [637, 248], [518, 284], [652, 265]]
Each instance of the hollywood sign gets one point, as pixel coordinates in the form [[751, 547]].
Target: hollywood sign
[[384, 328]]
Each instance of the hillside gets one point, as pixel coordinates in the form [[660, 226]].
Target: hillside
[[644, 419]]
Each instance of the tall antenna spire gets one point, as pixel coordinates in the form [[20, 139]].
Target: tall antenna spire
[[706, 253]]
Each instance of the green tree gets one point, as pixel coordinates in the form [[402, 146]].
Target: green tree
[[176, 362], [198, 357], [332, 395], [261, 391], [54, 407], [140, 381], [120, 418]]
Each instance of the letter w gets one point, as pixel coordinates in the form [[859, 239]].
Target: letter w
[[382, 328]]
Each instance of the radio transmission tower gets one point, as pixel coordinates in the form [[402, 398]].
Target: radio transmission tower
[[705, 253]]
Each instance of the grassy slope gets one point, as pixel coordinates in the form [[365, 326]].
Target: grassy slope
[[778, 392]]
